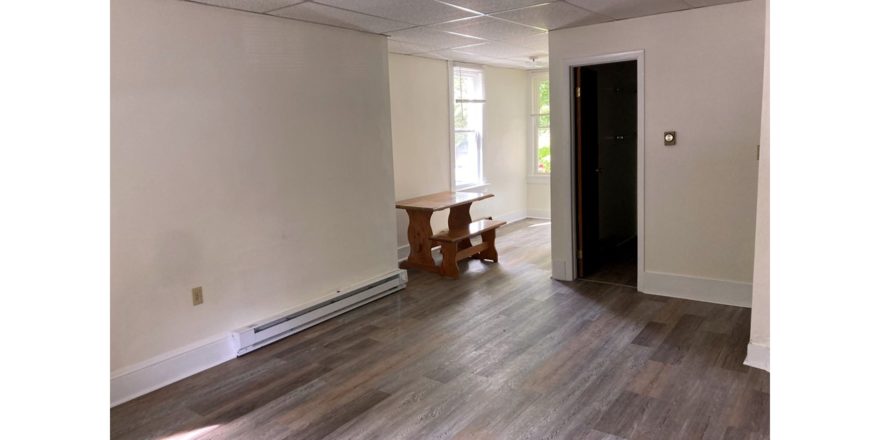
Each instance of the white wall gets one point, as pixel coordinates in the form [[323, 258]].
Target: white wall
[[251, 156], [703, 79], [538, 198], [420, 105], [505, 150], [759, 345], [419, 131]]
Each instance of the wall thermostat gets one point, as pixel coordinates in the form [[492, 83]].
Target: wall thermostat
[[669, 138]]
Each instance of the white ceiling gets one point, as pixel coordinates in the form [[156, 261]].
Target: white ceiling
[[506, 33]]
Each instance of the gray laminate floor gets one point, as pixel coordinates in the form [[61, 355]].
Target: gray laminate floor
[[503, 353]]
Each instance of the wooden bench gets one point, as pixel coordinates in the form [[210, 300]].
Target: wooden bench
[[455, 244]]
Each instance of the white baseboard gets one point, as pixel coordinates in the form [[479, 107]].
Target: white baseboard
[[538, 214], [154, 373], [165, 369], [403, 252], [513, 216], [733, 293], [758, 356]]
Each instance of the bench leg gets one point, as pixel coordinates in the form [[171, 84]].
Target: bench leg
[[491, 253], [449, 267]]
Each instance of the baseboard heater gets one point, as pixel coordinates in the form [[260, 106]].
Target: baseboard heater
[[252, 337]]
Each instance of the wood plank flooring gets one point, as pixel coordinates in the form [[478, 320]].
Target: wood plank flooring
[[502, 353]]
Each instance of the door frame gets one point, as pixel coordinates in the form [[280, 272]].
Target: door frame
[[568, 135]]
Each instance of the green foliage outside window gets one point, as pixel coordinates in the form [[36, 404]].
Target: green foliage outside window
[[542, 128]]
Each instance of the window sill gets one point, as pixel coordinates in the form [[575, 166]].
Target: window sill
[[538, 179], [472, 187]]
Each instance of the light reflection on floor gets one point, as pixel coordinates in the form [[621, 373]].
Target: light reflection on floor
[[190, 435]]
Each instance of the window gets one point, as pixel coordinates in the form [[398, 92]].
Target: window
[[468, 100], [540, 113]]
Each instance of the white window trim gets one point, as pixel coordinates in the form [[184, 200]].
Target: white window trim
[[533, 176], [450, 65]]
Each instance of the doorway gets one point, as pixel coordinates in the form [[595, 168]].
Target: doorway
[[605, 142]]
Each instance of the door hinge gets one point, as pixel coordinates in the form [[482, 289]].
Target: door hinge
[[577, 92], [758, 156]]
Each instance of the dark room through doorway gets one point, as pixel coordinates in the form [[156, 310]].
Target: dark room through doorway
[[605, 133]]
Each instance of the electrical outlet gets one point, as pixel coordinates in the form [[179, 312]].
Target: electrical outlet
[[197, 296]]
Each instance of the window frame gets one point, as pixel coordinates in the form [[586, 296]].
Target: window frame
[[481, 182], [536, 76]]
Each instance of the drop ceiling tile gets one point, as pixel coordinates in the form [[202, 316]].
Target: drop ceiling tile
[[434, 39], [523, 64], [420, 12], [318, 13], [621, 9], [462, 56], [501, 50], [487, 28], [540, 62], [465, 57], [538, 42], [553, 16], [251, 5], [490, 6]]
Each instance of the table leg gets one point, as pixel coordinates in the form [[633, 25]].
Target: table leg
[[460, 217], [419, 235]]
